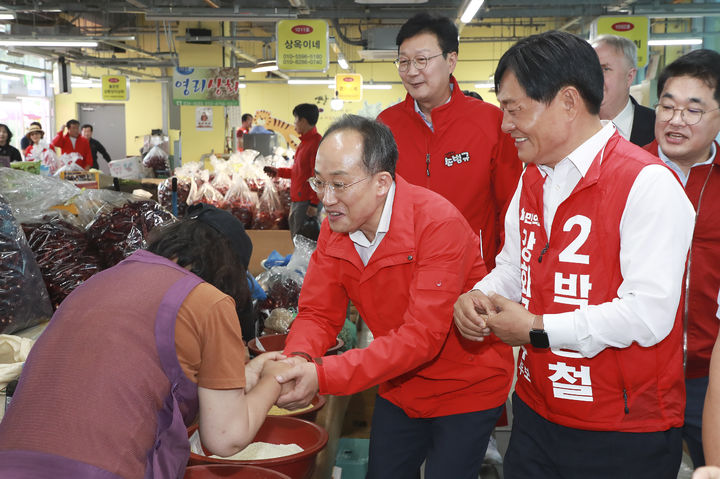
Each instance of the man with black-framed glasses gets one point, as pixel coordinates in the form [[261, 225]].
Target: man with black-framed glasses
[[402, 254], [449, 142], [686, 124]]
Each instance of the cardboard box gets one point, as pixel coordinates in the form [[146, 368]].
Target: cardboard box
[[129, 168]]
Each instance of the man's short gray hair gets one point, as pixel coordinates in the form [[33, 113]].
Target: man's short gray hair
[[380, 152], [622, 44]]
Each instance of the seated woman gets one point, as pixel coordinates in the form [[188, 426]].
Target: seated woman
[[132, 356]]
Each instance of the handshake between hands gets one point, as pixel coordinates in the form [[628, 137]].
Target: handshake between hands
[[476, 315], [296, 376]]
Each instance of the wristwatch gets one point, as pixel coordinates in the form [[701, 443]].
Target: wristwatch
[[538, 335]]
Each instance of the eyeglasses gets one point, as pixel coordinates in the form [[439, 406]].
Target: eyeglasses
[[419, 62], [337, 187], [691, 116]]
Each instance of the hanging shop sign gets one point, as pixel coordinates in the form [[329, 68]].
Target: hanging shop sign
[[302, 45], [636, 29], [349, 86], [206, 86], [203, 118], [114, 88]]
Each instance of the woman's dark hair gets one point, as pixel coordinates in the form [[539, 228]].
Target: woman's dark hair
[[380, 152], [702, 64], [442, 27], [208, 253], [9, 133], [546, 62]]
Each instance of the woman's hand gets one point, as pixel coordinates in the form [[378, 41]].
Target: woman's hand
[[254, 368]]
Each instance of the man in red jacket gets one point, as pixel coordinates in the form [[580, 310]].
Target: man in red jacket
[[449, 142], [402, 254], [687, 122], [73, 142], [304, 200], [589, 279]]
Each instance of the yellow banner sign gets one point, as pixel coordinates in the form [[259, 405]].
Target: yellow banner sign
[[302, 45], [114, 88], [636, 29], [349, 86]]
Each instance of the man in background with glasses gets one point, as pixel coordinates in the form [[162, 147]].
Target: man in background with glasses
[[449, 142], [402, 254], [686, 124]]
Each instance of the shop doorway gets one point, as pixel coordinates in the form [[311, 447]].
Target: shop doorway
[[108, 123]]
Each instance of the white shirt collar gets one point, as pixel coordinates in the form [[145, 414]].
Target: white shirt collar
[[674, 166], [358, 237], [583, 156], [624, 120]]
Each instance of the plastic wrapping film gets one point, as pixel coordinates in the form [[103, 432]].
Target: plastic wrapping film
[[119, 231], [63, 255], [24, 301]]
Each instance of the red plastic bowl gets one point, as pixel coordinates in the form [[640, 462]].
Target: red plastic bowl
[[216, 471], [308, 414], [280, 430], [276, 342]]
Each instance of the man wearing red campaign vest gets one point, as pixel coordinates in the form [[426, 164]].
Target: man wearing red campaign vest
[[687, 122], [589, 279], [449, 142]]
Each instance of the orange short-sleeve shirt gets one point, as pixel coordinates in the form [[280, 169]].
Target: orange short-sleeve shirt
[[208, 339]]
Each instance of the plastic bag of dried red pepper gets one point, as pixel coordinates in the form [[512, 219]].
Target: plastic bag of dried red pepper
[[24, 300], [270, 214], [165, 194], [241, 201], [63, 254], [120, 231]]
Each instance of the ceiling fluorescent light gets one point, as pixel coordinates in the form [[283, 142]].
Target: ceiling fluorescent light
[[343, 63], [242, 85], [48, 43], [7, 16], [22, 71], [369, 86], [486, 84], [310, 81], [471, 10], [675, 41], [9, 77], [266, 66]]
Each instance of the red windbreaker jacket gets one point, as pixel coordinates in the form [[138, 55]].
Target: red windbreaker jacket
[[467, 159], [703, 265], [303, 168], [405, 295], [82, 146]]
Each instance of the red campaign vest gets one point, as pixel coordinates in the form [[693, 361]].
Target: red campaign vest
[[704, 268], [634, 389]]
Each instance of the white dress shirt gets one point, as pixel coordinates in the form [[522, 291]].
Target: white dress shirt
[[655, 234], [365, 247], [624, 121]]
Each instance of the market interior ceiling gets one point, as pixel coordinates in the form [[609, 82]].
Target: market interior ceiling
[[117, 25]]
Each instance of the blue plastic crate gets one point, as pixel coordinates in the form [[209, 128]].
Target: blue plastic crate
[[352, 457]]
